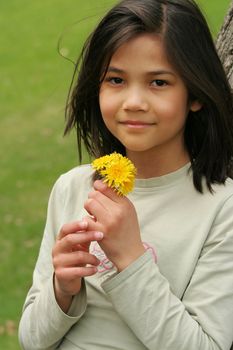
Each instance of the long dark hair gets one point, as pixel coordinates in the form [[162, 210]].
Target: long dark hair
[[190, 49]]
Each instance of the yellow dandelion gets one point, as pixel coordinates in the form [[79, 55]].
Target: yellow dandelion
[[117, 171], [100, 163]]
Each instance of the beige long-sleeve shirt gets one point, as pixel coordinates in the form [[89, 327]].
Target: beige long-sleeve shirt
[[176, 296]]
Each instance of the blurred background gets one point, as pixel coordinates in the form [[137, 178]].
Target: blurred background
[[34, 81]]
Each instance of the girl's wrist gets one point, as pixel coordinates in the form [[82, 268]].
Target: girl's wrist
[[123, 263], [64, 300]]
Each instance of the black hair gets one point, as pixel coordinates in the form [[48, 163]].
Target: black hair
[[190, 48]]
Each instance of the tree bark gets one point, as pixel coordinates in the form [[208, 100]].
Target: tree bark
[[224, 45]]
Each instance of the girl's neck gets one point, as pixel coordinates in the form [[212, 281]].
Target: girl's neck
[[154, 165]]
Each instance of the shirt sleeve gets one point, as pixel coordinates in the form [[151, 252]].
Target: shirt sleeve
[[203, 317], [43, 324]]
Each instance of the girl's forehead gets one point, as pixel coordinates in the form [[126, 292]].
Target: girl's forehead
[[147, 47], [141, 40]]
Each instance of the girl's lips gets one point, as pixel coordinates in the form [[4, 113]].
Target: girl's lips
[[136, 124]]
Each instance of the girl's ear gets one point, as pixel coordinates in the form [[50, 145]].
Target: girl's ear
[[195, 106]]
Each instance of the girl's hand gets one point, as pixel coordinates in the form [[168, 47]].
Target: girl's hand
[[70, 259], [116, 217]]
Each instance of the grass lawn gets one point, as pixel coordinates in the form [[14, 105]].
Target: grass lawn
[[33, 153]]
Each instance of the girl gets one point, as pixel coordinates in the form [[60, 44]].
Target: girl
[[153, 270]]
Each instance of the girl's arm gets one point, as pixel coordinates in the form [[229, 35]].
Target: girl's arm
[[57, 298], [203, 317]]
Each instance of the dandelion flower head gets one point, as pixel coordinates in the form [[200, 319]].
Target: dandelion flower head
[[117, 171]]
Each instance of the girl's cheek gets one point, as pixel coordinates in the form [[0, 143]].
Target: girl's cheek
[[107, 106]]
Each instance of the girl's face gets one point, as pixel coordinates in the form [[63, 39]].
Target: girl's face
[[143, 101]]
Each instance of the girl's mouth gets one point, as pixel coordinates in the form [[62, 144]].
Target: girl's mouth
[[137, 124]]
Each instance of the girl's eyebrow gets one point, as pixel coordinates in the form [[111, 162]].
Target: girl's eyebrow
[[115, 70], [112, 69]]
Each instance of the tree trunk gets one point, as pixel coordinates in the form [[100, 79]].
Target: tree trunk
[[224, 46]]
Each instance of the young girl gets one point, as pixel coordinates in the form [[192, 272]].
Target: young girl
[[153, 270]]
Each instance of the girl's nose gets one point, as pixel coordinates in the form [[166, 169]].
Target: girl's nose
[[135, 100]]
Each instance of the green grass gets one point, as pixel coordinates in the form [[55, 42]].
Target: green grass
[[33, 153]]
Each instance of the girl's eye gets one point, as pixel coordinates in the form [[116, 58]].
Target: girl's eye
[[115, 80], [159, 82]]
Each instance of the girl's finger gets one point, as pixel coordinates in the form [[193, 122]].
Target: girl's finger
[[70, 273], [107, 191], [107, 200], [75, 259], [92, 224], [70, 241], [103, 200], [73, 227], [89, 218], [94, 207]]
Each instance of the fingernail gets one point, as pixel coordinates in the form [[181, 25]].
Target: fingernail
[[99, 235]]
